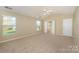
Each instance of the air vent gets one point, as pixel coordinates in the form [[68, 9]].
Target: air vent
[[8, 7]]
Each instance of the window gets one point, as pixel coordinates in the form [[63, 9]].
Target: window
[[38, 25], [9, 25]]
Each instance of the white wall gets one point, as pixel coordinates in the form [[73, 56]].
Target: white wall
[[45, 26], [76, 26], [0, 28], [53, 27]]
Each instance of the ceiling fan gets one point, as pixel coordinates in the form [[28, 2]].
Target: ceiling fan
[[46, 12]]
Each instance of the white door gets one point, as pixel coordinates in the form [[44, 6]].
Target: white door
[[67, 27]]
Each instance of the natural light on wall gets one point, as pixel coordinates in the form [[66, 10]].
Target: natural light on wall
[[38, 25], [9, 25]]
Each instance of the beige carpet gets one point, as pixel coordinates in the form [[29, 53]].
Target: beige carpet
[[41, 43]]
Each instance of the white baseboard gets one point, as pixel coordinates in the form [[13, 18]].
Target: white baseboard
[[20, 37]]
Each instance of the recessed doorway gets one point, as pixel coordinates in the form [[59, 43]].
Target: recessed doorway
[[49, 26]]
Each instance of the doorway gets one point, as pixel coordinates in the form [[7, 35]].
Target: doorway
[[67, 27], [49, 26]]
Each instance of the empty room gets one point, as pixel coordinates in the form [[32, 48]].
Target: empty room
[[39, 29]]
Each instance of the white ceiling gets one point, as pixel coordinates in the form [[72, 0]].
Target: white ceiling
[[38, 10]]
